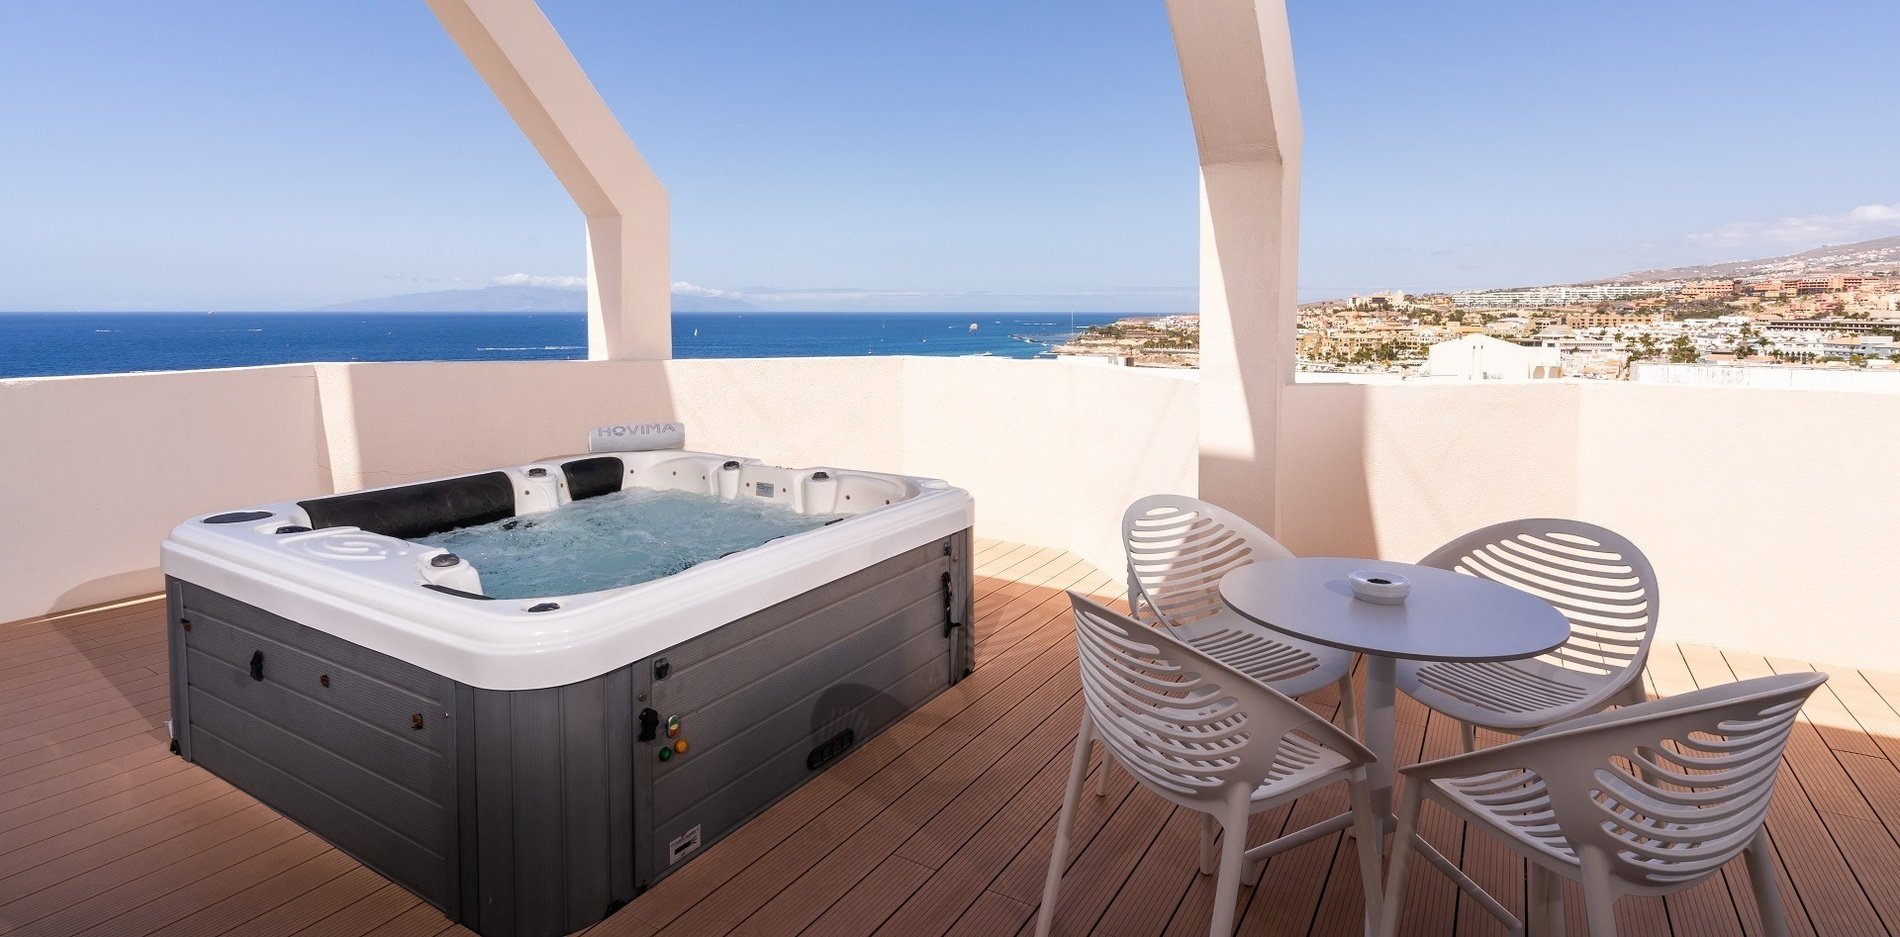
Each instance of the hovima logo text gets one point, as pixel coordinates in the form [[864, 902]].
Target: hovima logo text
[[626, 437], [640, 429]]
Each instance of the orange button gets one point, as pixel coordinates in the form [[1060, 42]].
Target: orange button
[[680, 746]]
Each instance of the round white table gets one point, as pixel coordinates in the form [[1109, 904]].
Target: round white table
[[1448, 616]]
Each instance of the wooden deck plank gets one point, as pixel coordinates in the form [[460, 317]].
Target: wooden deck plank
[[1671, 667], [1290, 887], [1022, 879], [81, 621], [1009, 747], [993, 914], [55, 813], [173, 837], [1000, 560], [140, 640], [1808, 754], [1827, 713], [1431, 900], [1002, 589], [1707, 909], [1845, 812], [1342, 904], [41, 679], [772, 872], [81, 768], [189, 901], [318, 902], [142, 712], [1822, 880], [1000, 613], [72, 907], [940, 838], [241, 906], [1885, 684], [1021, 564], [79, 850], [1101, 865], [67, 696], [92, 638], [940, 825], [1868, 709], [865, 908], [976, 863], [380, 907], [1496, 868], [419, 921], [58, 710], [969, 706], [1163, 873]]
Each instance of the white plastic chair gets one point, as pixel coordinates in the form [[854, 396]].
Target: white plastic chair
[[1178, 549], [1598, 579], [1203, 736], [1645, 800]]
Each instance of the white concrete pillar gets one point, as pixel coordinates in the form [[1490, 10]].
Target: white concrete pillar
[[517, 52], [1237, 66]]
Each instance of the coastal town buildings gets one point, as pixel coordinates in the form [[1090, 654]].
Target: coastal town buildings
[[1561, 295], [1818, 322]]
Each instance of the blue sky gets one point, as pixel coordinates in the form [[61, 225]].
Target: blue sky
[[244, 155]]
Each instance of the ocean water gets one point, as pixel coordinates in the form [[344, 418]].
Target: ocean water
[[615, 540], [42, 344]]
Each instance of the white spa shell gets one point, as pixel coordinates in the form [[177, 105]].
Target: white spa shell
[[369, 589]]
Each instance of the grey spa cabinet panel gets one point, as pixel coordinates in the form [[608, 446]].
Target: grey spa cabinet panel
[[528, 813]]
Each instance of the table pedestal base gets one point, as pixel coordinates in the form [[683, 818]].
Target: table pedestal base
[[1381, 722]]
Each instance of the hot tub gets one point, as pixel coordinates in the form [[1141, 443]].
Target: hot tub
[[528, 763]]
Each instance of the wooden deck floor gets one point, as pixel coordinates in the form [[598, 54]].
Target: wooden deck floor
[[939, 826]]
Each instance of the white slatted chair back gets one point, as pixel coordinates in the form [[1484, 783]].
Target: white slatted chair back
[[1600, 581], [1667, 791], [1178, 550], [1183, 723]]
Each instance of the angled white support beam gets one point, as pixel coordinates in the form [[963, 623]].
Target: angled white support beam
[[525, 63], [1237, 65]]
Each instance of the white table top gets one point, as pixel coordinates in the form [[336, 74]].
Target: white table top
[[1448, 616]]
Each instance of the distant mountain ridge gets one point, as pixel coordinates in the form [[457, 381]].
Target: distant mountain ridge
[[517, 298], [1880, 255]]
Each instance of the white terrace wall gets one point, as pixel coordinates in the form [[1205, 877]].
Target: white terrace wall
[[94, 471], [1773, 517], [100, 468], [1769, 514], [1393, 471], [1051, 451], [390, 423]]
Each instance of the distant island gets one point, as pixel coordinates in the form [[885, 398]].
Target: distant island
[[517, 298], [505, 296]]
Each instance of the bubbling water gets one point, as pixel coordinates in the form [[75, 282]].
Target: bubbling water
[[615, 540]]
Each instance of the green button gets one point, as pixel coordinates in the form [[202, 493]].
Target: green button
[[666, 753]]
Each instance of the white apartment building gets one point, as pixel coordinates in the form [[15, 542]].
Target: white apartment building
[[1561, 295], [1484, 358]]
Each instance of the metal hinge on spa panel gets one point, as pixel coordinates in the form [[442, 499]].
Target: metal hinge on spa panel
[[950, 622]]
